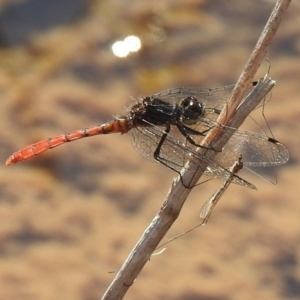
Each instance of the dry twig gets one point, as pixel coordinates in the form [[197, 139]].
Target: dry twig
[[233, 115]]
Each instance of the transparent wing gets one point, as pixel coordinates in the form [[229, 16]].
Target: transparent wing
[[174, 153], [213, 98], [209, 97], [257, 150]]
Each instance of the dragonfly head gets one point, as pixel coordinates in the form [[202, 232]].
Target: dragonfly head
[[192, 110]]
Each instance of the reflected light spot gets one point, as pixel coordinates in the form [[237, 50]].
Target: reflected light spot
[[119, 49], [129, 44], [133, 43]]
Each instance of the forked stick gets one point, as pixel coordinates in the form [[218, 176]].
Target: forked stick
[[233, 115]]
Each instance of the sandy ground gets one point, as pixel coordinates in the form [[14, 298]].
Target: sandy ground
[[70, 217]]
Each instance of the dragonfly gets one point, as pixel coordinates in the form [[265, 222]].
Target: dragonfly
[[168, 127]]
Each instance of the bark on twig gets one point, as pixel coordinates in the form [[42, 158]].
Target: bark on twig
[[233, 115]]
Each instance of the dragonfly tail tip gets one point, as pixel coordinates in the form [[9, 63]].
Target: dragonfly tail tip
[[9, 161]]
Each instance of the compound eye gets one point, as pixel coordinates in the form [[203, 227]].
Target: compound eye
[[192, 110]]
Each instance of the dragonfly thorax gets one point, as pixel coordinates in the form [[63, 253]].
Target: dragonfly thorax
[[152, 110]]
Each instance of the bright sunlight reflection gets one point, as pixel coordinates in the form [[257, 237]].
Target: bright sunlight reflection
[[130, 44]]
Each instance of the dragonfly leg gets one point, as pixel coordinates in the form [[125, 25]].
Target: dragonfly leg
[[186, 131], [167, 163]]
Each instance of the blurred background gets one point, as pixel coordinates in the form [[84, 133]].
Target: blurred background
[[71, 216]]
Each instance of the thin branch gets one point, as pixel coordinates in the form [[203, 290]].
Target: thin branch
[[253, 63], [232, 115]]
